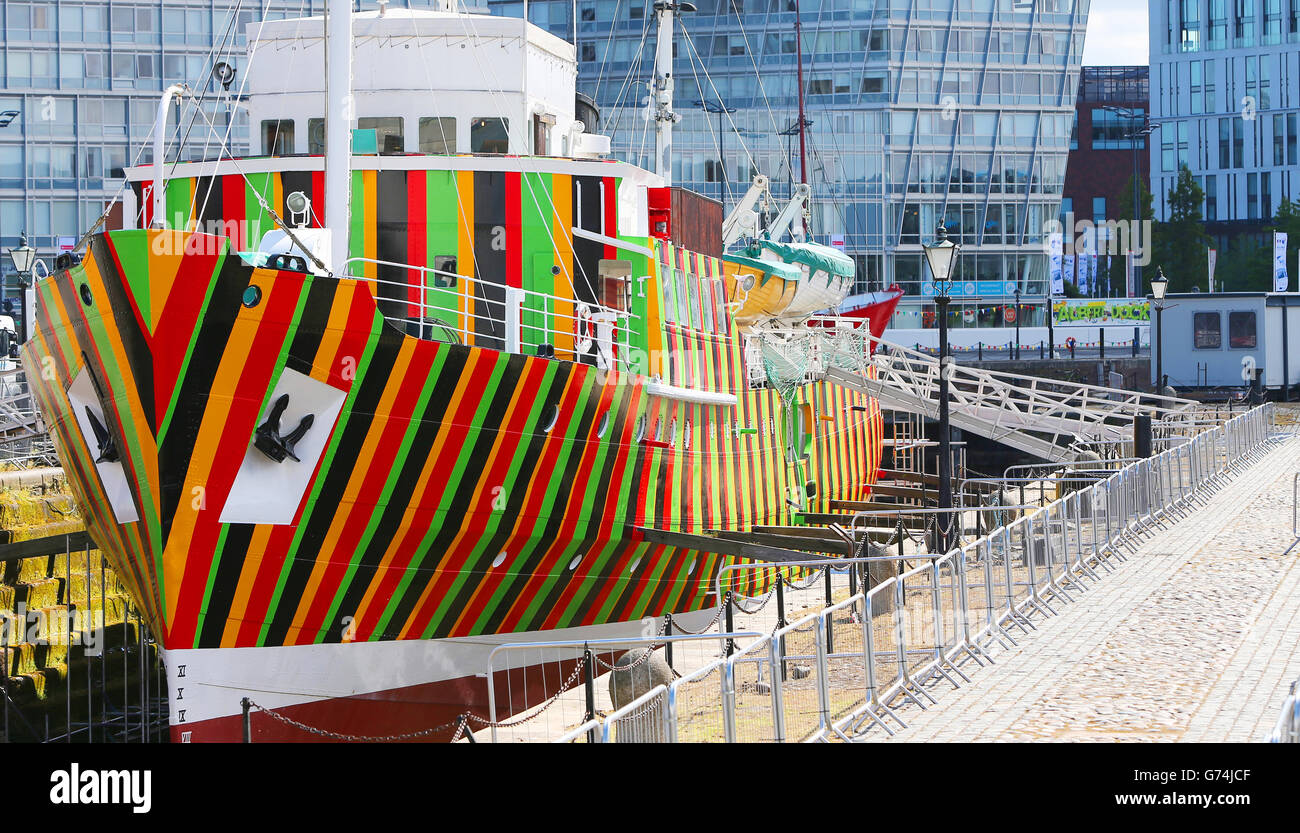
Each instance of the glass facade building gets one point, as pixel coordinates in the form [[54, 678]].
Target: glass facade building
[[1225, 91], [922, 111]]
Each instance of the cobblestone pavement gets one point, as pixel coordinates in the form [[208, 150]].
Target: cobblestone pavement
[[1194, 638]]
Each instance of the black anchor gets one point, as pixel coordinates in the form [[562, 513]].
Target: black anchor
[[268, 440], [107, 447]]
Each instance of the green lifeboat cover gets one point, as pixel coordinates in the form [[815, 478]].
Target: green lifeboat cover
[[770, 268], [813, 255]]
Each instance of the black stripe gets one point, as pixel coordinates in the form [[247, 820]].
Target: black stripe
[[196, 385], [230, 562], [390, 245], [353, 426], [489, 258]]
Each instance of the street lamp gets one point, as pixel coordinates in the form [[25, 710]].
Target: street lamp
[[23, 257], [941, 255], [1159, 285]]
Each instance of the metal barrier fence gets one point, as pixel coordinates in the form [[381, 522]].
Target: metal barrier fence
[[1287, 729], [838, 672]]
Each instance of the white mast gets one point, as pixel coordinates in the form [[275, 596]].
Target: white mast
[[338, 129], [661, 88]]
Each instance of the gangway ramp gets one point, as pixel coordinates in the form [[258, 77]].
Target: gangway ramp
[[1051, 419]]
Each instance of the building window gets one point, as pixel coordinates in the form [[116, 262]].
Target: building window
[[489, 135], [1206, 334], [1099, 209], [1241, 330], [437, 135], [388, 132], [277, 137]]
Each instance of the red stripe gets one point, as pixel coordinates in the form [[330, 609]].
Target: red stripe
[[256, 370], [416, 239], [509, 435], [233, 209], [318, 199], [178, 319], [392, 427], [514, 232]]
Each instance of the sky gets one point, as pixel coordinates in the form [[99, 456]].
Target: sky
[[1117, 33]]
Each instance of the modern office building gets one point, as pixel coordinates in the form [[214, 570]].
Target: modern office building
[[79, 90], [1225, 77], [1107, 152], [922, 111]]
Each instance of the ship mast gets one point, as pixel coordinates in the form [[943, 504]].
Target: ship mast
[[803, 122], [661, 87], [338, 129]]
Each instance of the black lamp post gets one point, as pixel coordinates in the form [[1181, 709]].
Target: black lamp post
[[1017, 320], [1133, 136], [941, 256], [1159, 284], [23, 257]]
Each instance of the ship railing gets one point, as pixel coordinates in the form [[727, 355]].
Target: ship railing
[[855, 667], [517, 320], [1287, 729], [527, 684]]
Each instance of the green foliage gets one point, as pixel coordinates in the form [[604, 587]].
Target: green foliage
[[1181, 245], [1247, 266]]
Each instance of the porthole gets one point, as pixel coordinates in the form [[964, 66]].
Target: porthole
[[640, 429], [499, 560], [659, 430], [252, 296], [604, 425], [573, 565], [631, 568], [555, 416], [86, 297], [690, 569], [686, 436], [672, 433]]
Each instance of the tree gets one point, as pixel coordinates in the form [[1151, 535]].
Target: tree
[[1247, 266], [1181, 244]]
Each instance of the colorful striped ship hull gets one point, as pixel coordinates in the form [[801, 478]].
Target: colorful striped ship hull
[[461, 496]]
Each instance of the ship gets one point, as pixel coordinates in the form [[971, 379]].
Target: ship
[[350, 414]]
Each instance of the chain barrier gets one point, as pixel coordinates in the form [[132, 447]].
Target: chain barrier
[[358, 738]]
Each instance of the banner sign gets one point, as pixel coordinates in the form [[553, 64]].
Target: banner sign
[[1280, 277], [1080, 311], [1214, 253], [1067, 269], [1054, 245], [1128, 274]]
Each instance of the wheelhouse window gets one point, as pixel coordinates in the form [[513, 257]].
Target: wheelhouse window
[[489, 135], [277, 137], [437, 135], [1206, 332], [1241, 330], [388, 132], [615, 284], [315, 136]]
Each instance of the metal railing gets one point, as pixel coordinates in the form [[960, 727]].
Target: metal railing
[[840, 672], [1287, 729]]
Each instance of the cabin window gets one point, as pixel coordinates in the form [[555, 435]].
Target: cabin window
[[388, 132], [706, 305], [437, 135], [670, 301], [277, 137], [720, 305], [615, 286], [1241, 330], [316, 136], [693, 292], [444, 275], [489, 135], [1206, 333]]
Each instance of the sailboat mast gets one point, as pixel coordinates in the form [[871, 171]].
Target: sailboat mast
[[798, 46], [661, 88], [338, 129]]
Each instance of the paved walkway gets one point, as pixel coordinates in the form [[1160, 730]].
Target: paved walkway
[[1194, 638]]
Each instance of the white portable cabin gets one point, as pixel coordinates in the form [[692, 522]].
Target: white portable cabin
[[1208, 336]]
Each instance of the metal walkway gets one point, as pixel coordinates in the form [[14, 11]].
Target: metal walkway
[[1050, 419]]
